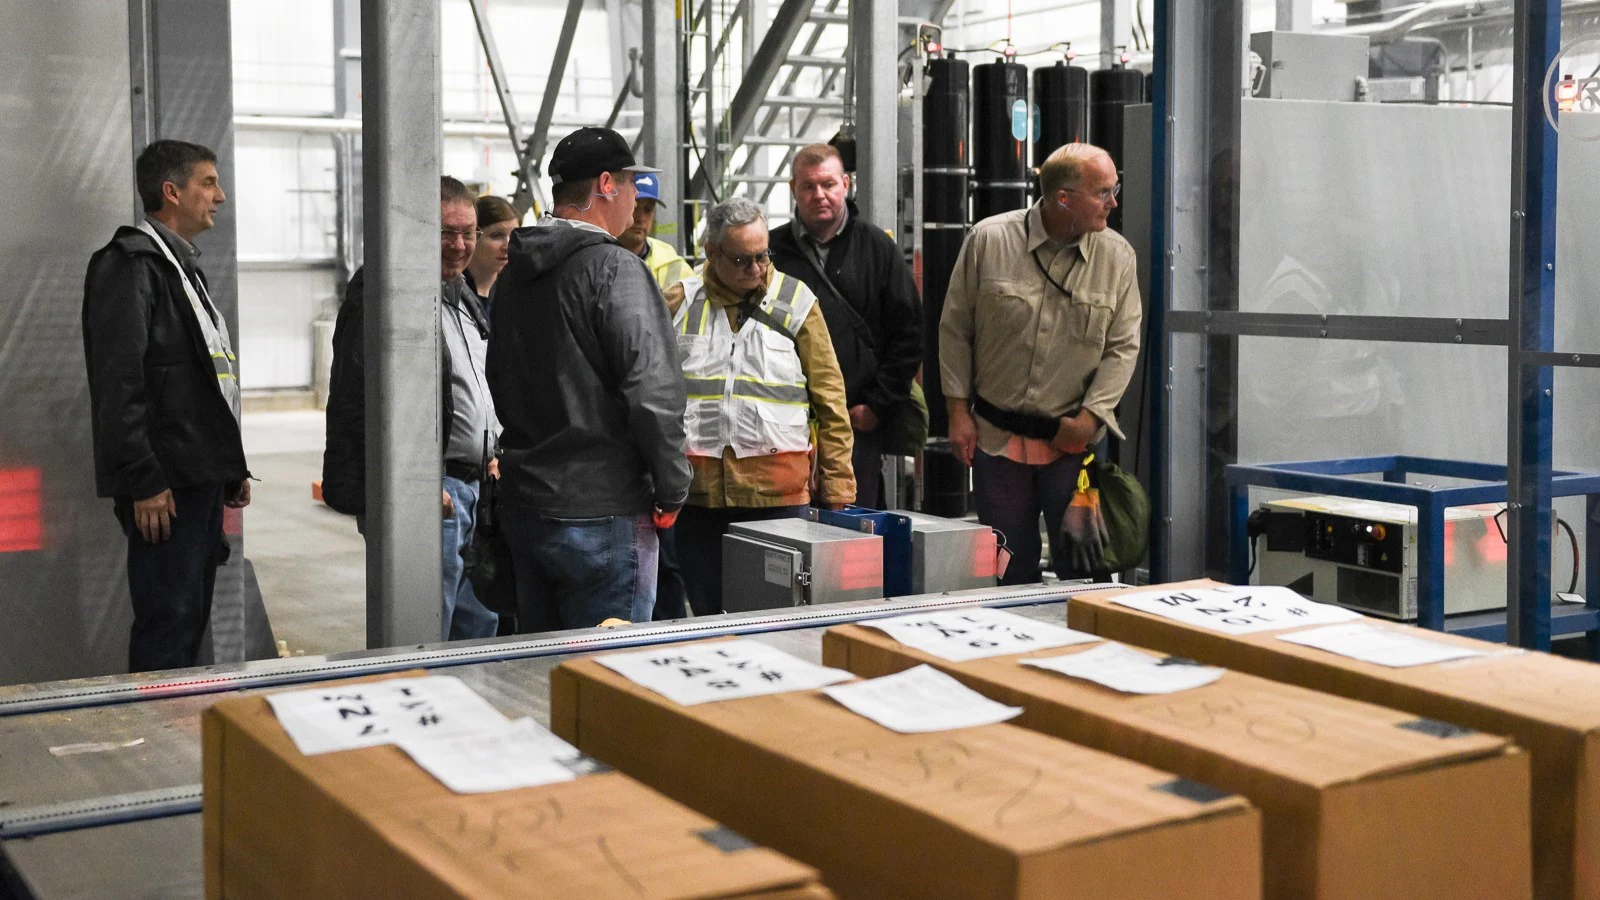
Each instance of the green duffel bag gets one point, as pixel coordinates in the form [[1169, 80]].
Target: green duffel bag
[[1125, 507], [907, 432]]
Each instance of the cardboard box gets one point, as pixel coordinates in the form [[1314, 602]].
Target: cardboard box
[[371, 823], [1549, 705], [988, 812], [1355, 803]]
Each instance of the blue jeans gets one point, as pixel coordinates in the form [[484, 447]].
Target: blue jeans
[[465, 616], [1010, 495], [576, 573]]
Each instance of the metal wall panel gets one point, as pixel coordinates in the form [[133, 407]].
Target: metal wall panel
[[65, 143]]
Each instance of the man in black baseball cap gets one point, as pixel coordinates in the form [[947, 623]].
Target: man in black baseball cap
[[583, 366]]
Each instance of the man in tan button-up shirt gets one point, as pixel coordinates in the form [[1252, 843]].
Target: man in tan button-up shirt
[[1040, 329]]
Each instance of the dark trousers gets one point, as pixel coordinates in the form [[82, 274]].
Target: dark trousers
[[699, 537], [867, 461], [671, 597], [1010, 495], [171, 582]]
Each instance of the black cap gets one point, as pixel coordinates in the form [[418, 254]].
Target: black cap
[[587, 152]]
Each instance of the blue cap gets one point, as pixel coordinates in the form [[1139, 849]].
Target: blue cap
[[648, 184]]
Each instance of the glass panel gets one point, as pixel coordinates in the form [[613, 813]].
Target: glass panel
[[1575, 93], [1325, 399], [1577, 449], [1379, 209]]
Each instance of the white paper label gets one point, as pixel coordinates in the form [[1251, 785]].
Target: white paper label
[[1237, 610], [1383, 646], [920, 700], [345, 717], [780, 568], [1122, 668], [960, 635], [519, 755], [722, 670]]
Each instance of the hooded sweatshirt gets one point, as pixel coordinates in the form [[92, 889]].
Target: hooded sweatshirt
[[583, 366]]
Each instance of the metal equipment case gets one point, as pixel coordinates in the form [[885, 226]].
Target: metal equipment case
[[949, 554], [794, 562], [1363, 555]]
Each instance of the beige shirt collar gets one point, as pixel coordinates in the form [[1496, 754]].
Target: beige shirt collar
[[1039, 238]]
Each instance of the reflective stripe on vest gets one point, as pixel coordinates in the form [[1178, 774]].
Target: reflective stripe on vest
[[746, 389]]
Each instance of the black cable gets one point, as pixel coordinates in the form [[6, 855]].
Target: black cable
[[1571, 538], [710, 185], [1142, 27]]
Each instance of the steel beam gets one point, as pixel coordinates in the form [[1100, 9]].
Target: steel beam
[[400, 164], [662, 128], [1403, 329], [1294, 15], [1116, 28], [552, 86], [752, 92], [529, 193], [1529, 437], [874, 43]]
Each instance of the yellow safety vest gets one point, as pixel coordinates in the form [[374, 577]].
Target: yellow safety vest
[[665, 264], [746, 388]]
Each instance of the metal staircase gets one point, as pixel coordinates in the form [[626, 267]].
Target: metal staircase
[[749, 110]]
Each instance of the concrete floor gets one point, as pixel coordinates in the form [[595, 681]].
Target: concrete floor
[[309, 560]]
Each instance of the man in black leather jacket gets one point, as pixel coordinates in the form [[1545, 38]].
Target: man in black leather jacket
[[164, 392], [583, 365], [867, 296]]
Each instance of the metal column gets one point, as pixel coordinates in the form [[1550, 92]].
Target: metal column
[[1158, 347], [874, 42], [1294, 15], [400, 163], [1116, 26], [663, 115], [1537, 36], [552, 86]]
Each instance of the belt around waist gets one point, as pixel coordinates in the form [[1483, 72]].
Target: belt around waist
[[1027, 425], [464, 471]]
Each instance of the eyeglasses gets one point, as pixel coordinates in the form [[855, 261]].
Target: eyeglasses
[[449, 236], [1104, 196], [762, 260]]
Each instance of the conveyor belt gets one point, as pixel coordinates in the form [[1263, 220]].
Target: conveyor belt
[[121, 820]]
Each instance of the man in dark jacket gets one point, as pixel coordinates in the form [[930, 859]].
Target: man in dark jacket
[[867, 297], [164, 392], [468, 431], [584, 369]]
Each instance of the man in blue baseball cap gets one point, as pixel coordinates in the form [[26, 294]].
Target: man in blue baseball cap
[[665, 263]]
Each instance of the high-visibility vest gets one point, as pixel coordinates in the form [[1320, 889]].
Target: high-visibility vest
[[746, 388], [665, 264]]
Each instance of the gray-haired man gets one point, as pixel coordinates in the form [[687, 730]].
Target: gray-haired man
[[759, 365]]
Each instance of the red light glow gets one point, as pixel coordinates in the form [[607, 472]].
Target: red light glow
[[20, 526]]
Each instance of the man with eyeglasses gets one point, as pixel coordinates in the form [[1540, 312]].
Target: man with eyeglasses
[[759, 366], [585, 373], [469, 427], [1038, 339]]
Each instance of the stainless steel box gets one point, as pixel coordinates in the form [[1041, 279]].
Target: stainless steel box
[[1298, 65], [780, 563], [950, 554], [1362, 554]]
